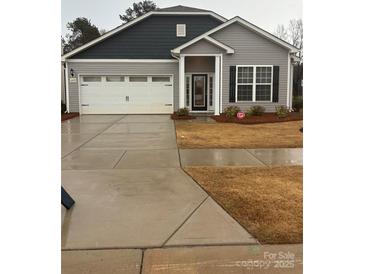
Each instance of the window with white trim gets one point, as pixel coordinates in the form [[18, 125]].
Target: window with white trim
[[180, 30], [254, 83], [137, 78], [115, 78], [210, 90], [91, 78], [263, 83], [160, 78], [187, 90]]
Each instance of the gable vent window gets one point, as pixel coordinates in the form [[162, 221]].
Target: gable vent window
[[180, 30]]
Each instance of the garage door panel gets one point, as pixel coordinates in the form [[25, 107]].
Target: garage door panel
[[127, 97]]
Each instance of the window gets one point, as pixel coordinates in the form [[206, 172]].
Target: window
[[137, 78], [210, 91], [160, 79], [180, 30], [92, 78], [263, 83], [187, 90], [244, 93], [115, 78], [254, 83], [245, 83]]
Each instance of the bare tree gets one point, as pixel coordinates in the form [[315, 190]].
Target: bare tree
[[293, 34], [295, 31], [281, 32]]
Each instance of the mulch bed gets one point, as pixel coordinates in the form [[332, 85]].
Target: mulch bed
[[264, 118], [174, 116], [66, 116]]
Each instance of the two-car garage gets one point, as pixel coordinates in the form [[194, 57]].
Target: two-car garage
[[126, 94]]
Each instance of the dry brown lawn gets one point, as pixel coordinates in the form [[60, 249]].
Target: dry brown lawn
[[268, 202], [230, 135]]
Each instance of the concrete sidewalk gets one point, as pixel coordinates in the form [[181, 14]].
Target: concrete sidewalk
[[267, 259], [241, 157]]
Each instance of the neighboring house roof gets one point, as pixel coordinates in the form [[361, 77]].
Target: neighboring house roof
[[182, 9], [138, 19], [243, 22]]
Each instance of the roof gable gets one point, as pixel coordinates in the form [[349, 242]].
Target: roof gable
[[117, 30], [152, 38], [244, 23]]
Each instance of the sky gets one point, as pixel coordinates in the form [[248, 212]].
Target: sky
[[266, 14]]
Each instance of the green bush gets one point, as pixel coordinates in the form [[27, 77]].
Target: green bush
[[182, 112], [248, 113], [255, 111], [63, 107], [231, 111], [282, 111], [297, 103]]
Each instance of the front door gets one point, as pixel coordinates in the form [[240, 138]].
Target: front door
[[199, 92]]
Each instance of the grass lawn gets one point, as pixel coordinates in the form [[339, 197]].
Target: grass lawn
[[230, 135], [268, 202]]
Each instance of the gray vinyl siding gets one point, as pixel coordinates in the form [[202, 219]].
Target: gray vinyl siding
[[151, 38], [252, 49], [202, 47], [123, 69]]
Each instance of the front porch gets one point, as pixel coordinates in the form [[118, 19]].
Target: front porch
[[200, 83]]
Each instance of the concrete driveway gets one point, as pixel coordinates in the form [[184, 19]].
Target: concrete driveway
[[124, 173]]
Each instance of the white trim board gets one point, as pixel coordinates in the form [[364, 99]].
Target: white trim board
[[243, 23], [288, 83], [122, 61], [215, 42], [201, 54], [131, 23]]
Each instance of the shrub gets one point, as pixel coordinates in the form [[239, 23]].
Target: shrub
[[63, 107], [297, 103], [282, 111], [249, 113], [182, 112], [231, 111], [255, 111]]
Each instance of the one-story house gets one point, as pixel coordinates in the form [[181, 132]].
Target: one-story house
[[179, 57]]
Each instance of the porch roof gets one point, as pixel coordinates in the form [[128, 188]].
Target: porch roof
[[209, 39]]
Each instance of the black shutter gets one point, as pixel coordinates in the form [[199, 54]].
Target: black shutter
[[232, 84], [275, 83]]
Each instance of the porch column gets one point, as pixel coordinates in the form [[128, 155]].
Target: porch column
[[216, 85], [291, 87], [181, 81], [67, 89]]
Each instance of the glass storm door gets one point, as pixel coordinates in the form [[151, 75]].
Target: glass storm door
[[199, 92]]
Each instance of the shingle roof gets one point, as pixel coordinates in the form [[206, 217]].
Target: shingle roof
[[182, 9]]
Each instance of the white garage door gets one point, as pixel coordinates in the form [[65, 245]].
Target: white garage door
[[116, 94]]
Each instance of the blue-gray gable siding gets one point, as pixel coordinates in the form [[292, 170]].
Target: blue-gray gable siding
[[151, 38]]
